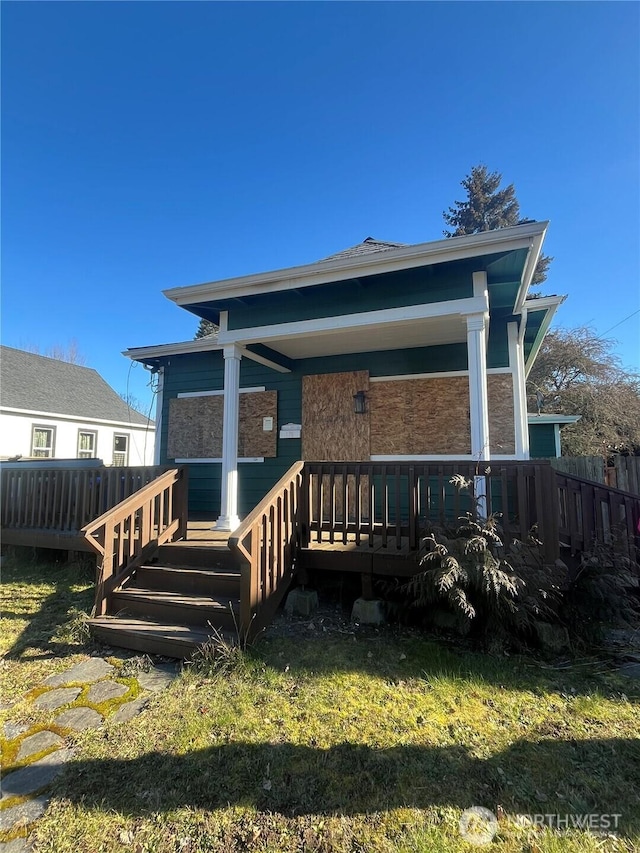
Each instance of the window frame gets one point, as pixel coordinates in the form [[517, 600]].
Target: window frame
[[50, 448], [117, 435], [81, 454]]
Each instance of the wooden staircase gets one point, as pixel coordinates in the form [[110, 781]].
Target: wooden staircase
[[172, 603], [164, 585]]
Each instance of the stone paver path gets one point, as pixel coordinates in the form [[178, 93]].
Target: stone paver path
[[42, 754]]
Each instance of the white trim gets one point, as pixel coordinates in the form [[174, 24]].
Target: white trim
[[448, 457], [220, 392], [551, 305], [265, 361], [521, 431], [366, 319], [218, 459], [179, 348], [229, 519], [404, 257], [534, 418], [478, 397], [223, 321], [556, 438], [480, 287], [426, 457], [445, 374], [78, 418], [535, 248]]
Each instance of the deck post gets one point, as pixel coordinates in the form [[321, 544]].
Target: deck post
[[229, 482], [478, 401]]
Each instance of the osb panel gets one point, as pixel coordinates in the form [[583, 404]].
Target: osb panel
[[252, 439], [331, 431], [501, 419], [195, 426], [420, 416]]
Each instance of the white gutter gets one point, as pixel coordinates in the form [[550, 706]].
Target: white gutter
[[180, 348], [529, 269], [550, 304], [528, 236]]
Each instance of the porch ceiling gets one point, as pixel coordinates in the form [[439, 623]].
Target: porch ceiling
[[405, 334]]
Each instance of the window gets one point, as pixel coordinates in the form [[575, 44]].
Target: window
[[87, 444], [120, 449], [43, 441]]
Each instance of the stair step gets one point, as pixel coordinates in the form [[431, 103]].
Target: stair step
[[181, 554], [178, 608], [189, 581], [156, 638]]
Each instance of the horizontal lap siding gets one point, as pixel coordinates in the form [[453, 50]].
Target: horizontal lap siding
[[205, 372], [542, 441]]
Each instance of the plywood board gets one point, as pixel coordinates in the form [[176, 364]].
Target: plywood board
[[331, 430], [253, 440], [501, 422], [195, 426], [420, 416]]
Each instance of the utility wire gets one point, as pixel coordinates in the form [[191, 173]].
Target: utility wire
[[633, 314]]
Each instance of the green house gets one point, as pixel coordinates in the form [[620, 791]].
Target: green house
[[381, 352]]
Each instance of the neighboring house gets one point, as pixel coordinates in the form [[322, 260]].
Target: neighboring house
[[382, 352], [50, 409]]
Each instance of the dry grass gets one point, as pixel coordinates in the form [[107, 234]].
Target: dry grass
[[372, 743]]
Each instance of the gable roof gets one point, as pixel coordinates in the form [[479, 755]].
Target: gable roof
[[368, 246], [41, 384]]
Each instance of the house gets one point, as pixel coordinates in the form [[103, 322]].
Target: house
[[381, 352], [50, 409]]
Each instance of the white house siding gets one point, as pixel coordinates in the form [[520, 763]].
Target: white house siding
[[16, 434]]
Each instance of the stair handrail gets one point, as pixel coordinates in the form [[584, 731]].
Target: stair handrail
[[267, 544], [128, 533]]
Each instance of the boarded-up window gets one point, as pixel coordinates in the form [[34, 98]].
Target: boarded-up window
[[195, 426], [501, 424], [331, 430], [420, 417]]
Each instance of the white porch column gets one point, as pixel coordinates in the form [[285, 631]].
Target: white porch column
[[478, 403], [516, 363], [229, 489]]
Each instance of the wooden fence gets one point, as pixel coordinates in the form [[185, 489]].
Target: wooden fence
[[623, 474], [65, 499]]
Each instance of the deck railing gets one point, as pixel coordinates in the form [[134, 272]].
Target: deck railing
[[65, 499], [591, 513], [127, 534], [267, 542], [390, 503]]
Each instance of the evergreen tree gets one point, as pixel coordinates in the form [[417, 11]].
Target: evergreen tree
[[487, 207], [205, 329]]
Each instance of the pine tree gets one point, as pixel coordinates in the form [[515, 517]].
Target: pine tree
[[205, 329], [487, 207]]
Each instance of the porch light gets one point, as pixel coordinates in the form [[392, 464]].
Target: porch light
[[360, 403]]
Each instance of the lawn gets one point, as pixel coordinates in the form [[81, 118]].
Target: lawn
[[336, 740]]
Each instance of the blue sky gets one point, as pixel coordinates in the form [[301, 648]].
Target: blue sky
[[151, 145]]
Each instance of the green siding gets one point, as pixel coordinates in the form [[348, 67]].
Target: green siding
[[205, 372], [542, 443]]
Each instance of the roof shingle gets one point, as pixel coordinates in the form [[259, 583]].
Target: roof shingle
[[42, 384]]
